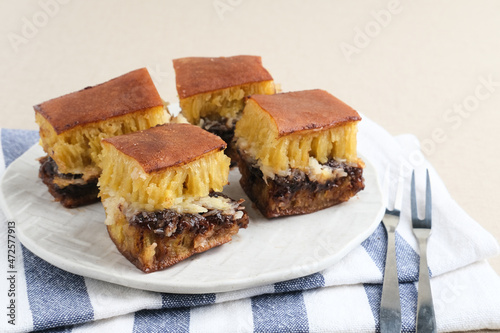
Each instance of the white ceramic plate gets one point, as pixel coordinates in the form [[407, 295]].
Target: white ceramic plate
[[268, 251]]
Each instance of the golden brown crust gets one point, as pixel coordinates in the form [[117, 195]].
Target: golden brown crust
[[305, 110], [167, 145], [196, 75], [128, 93]]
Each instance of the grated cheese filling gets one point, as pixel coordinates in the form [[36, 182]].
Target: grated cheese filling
[[186, 205]]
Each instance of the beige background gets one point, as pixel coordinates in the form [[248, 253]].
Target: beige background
[[408, 65]]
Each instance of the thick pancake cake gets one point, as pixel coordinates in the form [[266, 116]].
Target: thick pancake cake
[[72, 126], [212, 90], [161, 190], [298, 152]]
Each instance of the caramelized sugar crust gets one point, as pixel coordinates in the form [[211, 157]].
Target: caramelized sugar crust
[[305, 110], [130, 92], [196, 75], [167, 145]]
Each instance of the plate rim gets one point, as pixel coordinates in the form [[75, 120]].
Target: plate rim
[[266, 278]]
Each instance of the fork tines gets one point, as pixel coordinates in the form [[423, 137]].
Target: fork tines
[[427, 221], [426, 320]]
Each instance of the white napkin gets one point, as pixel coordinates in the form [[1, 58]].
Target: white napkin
[[342, 298]]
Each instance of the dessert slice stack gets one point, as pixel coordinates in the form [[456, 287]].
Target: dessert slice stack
[[298, 152], [72, 126], [212, 91], [161, 192]]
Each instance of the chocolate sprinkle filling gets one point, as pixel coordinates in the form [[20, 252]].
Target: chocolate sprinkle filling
[[70, 196], [168, 222], [296, 193]]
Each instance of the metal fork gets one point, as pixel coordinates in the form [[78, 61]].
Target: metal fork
[[426, 320], [390, 305]]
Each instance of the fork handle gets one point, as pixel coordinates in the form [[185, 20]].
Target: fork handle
[[426, 319], [390, 305]]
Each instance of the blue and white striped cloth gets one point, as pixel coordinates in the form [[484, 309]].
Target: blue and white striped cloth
[[343, 298]]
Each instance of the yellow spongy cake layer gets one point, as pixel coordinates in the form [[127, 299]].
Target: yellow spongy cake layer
[[124, 179], [257, 135], [225, 102], [77, 150]]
